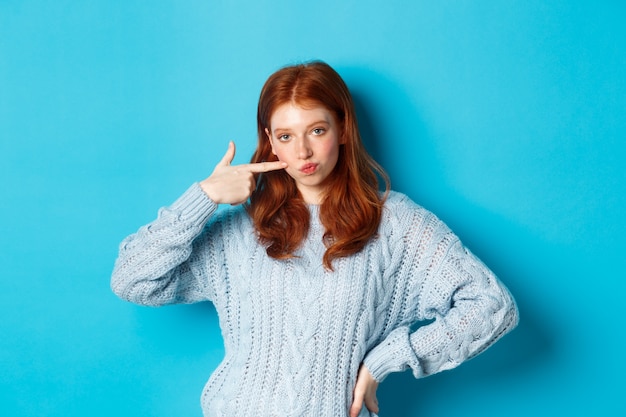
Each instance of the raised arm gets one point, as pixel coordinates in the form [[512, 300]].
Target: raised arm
[[153, 266], [176, 259]]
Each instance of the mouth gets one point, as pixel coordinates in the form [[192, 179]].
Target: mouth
[[308, 169]]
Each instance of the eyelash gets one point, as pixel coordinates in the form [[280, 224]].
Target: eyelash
[[317, 132]]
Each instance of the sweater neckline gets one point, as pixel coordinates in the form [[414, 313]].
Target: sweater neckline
[[315, 222]]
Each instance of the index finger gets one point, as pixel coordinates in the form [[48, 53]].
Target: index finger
[[265, 166]]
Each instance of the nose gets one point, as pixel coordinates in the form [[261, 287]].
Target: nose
[[304, 148]]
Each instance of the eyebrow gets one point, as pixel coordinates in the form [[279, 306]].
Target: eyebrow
[[310, 125]]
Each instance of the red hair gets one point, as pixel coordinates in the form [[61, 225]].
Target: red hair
[[351, 207]]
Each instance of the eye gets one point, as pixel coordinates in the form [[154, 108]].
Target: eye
[[319, 131], [284, 138]]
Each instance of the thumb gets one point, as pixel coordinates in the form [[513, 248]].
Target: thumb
[[372, 403], [229, 155]]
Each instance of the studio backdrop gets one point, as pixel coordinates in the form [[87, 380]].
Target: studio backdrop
[[505, 118]]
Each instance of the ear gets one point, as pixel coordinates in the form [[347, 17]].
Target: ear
[[342, 137], [342, 128], [269, 137]]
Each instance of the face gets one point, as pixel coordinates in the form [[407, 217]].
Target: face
[[307, 139]]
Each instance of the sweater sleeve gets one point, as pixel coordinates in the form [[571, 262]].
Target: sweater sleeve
[[155, 265], [467, 307]]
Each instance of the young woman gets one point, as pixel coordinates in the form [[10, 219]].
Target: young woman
[[317, 276]]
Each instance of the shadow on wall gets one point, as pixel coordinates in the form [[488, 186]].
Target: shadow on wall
[[385, 113], [384, 110]]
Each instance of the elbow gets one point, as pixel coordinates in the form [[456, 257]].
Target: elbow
[[509, 313], [513, 313], [138, 292], [119, 288], [126, 284], [129, 293], [123, 287]]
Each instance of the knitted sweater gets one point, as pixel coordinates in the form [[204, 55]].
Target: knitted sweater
[[295, 333]]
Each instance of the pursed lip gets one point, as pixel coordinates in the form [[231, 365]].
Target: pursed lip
[[308, 168]]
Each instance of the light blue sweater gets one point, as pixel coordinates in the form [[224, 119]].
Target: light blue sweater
[[295, 334]]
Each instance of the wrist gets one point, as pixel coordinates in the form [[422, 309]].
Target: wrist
[[209, 191]]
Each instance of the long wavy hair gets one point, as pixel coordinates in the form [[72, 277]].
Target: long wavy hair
[[352, 203]]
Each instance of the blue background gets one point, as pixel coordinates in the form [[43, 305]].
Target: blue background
[[505, 118]]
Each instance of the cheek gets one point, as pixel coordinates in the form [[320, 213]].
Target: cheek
[[280, 154], [330, 150], [275, 150]]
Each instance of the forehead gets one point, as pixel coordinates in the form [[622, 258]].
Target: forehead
[[294, 114]]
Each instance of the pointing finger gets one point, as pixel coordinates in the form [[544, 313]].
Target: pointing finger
[[266, 166], [229, 155]]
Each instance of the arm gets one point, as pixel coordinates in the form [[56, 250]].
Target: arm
[[469, 307], [153, 266], [169, 260]]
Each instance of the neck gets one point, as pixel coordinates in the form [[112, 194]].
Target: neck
[[310, 197]]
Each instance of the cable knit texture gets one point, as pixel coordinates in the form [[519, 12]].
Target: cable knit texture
[[295, 334]]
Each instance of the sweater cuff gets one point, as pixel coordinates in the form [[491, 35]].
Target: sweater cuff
[[194, 206], [394, 354]]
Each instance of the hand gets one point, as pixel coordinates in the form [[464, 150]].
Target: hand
[[364, 392], [233, 184]]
